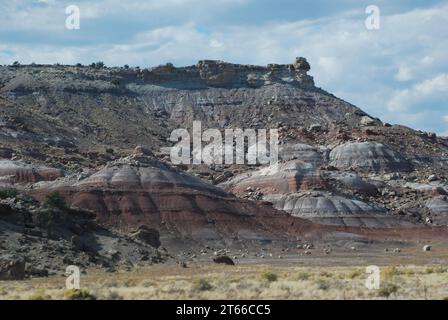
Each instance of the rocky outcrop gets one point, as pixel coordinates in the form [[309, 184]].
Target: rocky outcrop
[[368, 157], [147, 235], [12, 172], [331, 209], [12, 268], [438, 208], [355, 183], [300, 151], [222, 74], [302, 190], [286, 177]]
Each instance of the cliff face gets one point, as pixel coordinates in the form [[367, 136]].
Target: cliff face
[[211, 73]]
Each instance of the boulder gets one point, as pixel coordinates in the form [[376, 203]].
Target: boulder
[[224, 260], [367, 121]]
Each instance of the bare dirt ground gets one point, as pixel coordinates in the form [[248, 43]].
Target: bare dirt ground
[[407, 274]]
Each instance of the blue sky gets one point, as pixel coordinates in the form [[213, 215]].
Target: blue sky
[[398, 73]]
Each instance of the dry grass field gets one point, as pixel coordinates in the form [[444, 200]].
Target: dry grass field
[[211, 281]]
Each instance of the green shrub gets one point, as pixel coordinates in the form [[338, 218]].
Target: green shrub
[[302, 276], [78, 294], [386, 289], [390, 272], [55, 200], [113, 295], [325, 274], [354, 274], [39, 295], [429, 270], [97, 65], [202, 285], [322, 285], [269, 276], [45, 218], [8, 193]]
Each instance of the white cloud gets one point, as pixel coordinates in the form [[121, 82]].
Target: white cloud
[[431, 89], [404, 73]]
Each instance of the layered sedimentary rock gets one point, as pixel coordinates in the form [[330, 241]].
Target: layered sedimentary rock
[[300, 151], [12, 172], [302, 190], [337, 210], [140, 190], [222, 74], [368, 156], [355, 183], [81, 118], [282, 178], [438, 208]]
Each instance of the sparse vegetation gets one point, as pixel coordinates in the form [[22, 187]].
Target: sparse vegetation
[[55, 200], [269, 276], [387, 289], [78, 294], [241, 282], [46, 218], [97, 65], [113, 295], [202, 285], [390, 272], [39, 295], [302, 276], [322, 285], [8, 193], [325, 274], [355, 274]]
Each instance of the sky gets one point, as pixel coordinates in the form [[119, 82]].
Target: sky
[[398, 72]]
